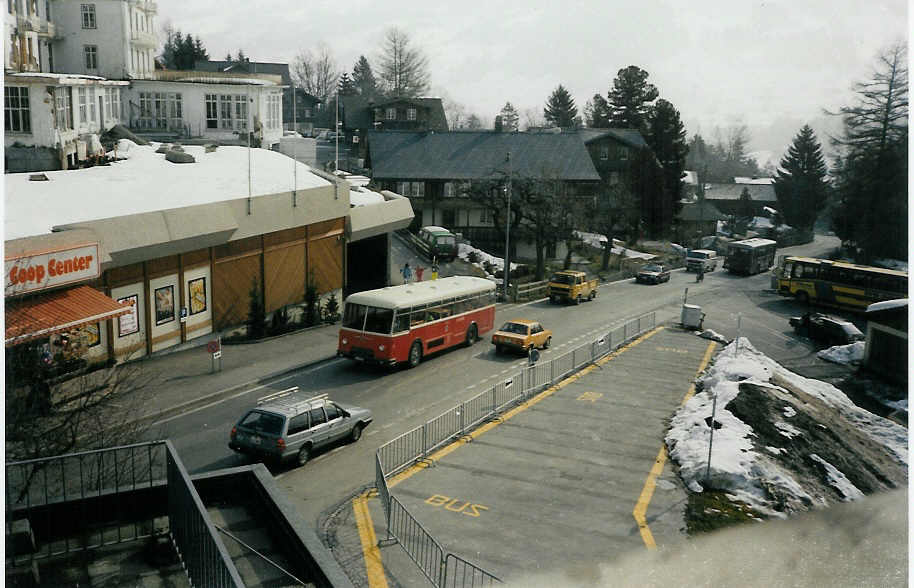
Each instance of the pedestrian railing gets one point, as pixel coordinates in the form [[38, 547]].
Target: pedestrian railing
[[440, 567]]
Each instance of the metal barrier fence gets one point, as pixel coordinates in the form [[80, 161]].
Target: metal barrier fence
[[202, 552], [417, 444], [37, 488]]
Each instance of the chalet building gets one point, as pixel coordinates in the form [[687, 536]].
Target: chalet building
[[306, 106], [725, 197], [697, 219], [434, 170], [359, 115]]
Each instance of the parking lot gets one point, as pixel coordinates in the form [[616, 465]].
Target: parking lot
[[558, 483]]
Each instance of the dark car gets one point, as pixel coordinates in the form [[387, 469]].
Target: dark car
[[653, 273], [827, 329]]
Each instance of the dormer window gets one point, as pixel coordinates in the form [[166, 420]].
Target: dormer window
[[604, 153]]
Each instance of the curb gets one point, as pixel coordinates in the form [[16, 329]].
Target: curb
[[213, 396]]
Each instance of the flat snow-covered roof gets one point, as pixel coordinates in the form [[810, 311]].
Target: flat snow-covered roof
[[146, 182]]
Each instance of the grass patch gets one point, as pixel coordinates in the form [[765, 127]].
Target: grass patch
[[711, 510]]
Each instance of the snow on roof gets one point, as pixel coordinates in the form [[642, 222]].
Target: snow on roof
[[887, 304], [214, 80], [55, 76], [363, 197], [146, 182], [756, 181]]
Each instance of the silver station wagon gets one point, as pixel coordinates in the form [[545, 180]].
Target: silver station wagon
[[286, 426]]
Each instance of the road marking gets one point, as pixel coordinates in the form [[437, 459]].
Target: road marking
[[451, 504], [374, 569], [648, 491], [447, 449], [246, 391], [590, 397]]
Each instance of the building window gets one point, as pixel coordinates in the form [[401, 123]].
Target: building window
[[449, 190], [83, 106], [63, 108], [623, 153], [108, 104], [226, 111], [241, 112], [410, 114], [91, 56], [274, 111], [418, 189], [88, 15], [613, 178], [16, 117], [212, 117], [115, 110], [604, 153], [391, 114], [308, 113], [485, 216], [91, 94]]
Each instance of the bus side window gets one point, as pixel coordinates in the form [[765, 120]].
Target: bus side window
[[401, 322]]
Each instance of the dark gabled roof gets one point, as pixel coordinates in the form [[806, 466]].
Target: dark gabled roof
[[276, 69], [758, 192], [356, 111], [701, 211], [630, 137], [478, 155]]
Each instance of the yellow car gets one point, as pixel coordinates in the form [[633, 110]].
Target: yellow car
[[521, 335]]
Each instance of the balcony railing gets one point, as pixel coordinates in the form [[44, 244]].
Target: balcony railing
[[143, 39]]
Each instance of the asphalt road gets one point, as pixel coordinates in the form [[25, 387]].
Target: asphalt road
[[403, 399]]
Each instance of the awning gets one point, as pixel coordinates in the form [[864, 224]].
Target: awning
[[56, 312]]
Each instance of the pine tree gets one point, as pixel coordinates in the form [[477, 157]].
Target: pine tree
[[596, 112], [872, 178], [404, 68], [364, 79], [560, 110], [666, 138], [346, 87], [509, 118], [182, 52], [630, 99], [801, 186]]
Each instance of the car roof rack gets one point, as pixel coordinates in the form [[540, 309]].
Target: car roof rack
[[287, 399]]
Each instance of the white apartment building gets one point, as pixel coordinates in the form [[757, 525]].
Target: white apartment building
[[113, 39], [223, 108], [28, 36]]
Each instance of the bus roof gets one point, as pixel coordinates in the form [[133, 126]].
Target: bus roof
[[848, 265], [406, 295], [753, 242], [436, 229]]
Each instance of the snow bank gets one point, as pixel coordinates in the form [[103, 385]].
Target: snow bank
[[464, 250], [838, 480], [844, 354], [596, 241], [753, 474]]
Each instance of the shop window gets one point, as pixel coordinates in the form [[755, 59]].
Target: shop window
[[17, 118], [164, 304]]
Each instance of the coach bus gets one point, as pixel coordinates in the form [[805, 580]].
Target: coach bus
[[838, 283], [402, 324], [750, 256]]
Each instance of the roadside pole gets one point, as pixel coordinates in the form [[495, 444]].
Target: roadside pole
[[711, 440]]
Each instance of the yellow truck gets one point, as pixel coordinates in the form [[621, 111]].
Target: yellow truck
[[572, 286]]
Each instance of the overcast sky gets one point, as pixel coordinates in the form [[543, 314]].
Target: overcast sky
[[718, 62]]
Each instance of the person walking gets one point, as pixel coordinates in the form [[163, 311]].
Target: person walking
[[434, 268], [406, 272], [700, 277], [419, 271]]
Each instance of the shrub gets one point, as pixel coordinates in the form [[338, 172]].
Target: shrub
[[473, 257], [310, 316], [257, 318], [331, 310]]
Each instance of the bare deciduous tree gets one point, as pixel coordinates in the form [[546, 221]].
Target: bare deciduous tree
[[317, 73], [404, 68]]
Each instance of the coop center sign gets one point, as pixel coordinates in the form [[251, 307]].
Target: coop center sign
[[29, 273]]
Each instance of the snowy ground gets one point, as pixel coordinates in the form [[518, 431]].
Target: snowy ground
[[596, 241], [464, 250], [782, 443]]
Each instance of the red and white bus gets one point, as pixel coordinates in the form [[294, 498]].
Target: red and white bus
[[401, 324]]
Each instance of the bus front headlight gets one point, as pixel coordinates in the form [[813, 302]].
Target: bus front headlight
[[345, 341], [381, 347]]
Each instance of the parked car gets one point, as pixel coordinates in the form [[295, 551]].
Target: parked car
[[827, 329], [438, 243], [521, 335], [286, 426], [653, 273]]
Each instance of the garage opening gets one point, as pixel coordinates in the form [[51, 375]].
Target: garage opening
[[367, 264]]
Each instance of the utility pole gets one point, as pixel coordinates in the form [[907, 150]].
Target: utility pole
[[336, 134], [507, 267]]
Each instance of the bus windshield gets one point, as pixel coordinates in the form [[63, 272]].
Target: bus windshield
[[368, 318]]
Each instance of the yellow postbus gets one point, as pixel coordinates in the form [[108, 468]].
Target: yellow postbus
[[838, 283]]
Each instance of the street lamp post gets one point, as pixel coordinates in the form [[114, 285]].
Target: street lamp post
[[336, 133], [507, 267]]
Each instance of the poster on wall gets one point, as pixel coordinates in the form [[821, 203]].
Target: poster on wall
[[93, 334], [165, 304], [197, 292], [128, 324]]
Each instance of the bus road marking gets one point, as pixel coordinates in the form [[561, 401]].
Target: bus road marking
[[672, 350], [590, 397], [451, 504]]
